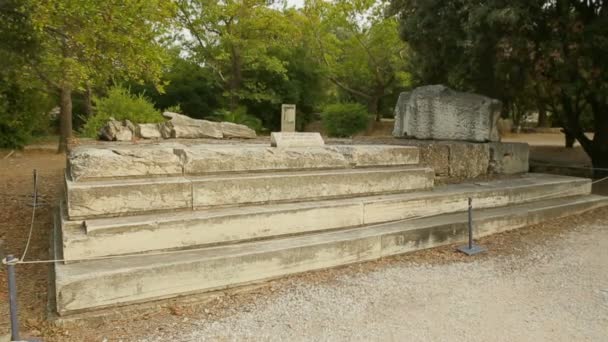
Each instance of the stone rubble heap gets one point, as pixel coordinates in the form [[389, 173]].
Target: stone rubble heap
[[177, 127]]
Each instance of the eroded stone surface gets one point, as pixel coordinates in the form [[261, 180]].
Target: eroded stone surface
[[129, 161], [437, 112], [148, 131], [378, 155], [115, 130], [182, 126], [296, 139], [232, 130], [509, 158], [469, 160]]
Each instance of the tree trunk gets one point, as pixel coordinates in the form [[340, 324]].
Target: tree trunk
[[542, 114], [88, 104], [235, 79], [372, 107], [569, 139], [65, 119]]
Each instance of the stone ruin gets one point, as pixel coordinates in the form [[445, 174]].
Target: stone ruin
[[177, 127], [437, 112], [145, 222]]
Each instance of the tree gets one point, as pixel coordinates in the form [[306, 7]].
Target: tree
[[84, 41], [551, 51], [234, 38], [359, 47]]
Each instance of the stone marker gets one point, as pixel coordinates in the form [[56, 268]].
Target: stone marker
[[288, 118], [438, 112], [293, 139]]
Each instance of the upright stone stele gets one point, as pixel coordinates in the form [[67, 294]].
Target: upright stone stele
[[438, 112], [288, 118]]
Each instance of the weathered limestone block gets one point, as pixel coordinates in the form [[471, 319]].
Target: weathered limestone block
[[469, 160], [181, 126], [509, 158], [201, 159], [127, 197], [437, 112], [296, 139], [297, 186], [437, 157], [115, 130], [378, 155], [148, 131], [87, 163], [232, 130]]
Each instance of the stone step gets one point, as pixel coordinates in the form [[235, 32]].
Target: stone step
[[172, 159], [115, 236], [110, 282], [131, 196]]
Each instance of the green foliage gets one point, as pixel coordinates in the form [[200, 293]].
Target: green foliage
[[239, 116], [120, 104], [175, 109], [344, 119]]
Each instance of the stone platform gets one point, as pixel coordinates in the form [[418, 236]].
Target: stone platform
[[140, 223]]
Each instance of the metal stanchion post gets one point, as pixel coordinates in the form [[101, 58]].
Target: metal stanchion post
[[471, 249], [12, 293]]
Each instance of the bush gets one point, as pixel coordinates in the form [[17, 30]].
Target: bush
[[23, 113], [121, 105], [344, 119]]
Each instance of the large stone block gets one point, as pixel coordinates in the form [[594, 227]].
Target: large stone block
[[297, 186], [509, 158], [232, 130], [148, 131], [113, 198], [296, 139], [378, 155], [201, 159], [87, 163], [468, 160], [437, 112], [181, 126]]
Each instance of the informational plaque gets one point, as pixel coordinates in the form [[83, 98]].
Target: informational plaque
[[288, 118], [296, 139]]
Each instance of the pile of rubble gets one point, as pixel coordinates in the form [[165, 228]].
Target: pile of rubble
[[178, 126]]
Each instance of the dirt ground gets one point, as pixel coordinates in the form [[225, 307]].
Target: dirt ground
[[178, 316]]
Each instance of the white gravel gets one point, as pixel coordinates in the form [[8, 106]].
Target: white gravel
[[556, 292]]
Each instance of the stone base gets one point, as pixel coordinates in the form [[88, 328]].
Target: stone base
[[105, 283]]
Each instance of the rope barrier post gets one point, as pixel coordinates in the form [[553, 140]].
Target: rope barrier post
[[12, 292], [470, 248], [35, 203]]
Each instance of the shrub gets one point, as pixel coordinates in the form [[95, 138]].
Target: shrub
[[121, 105], [23, 113], [344, 119]]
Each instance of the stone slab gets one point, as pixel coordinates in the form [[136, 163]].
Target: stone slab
[[106, 283], [232, 130], [468, 160], [112, 198], [438, 112], [296, 139], [148, 131], [172, 159], [298, 186], [114, 236], [90, 163]]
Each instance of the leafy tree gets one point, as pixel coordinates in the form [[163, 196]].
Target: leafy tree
[[344, 119], [550, 51], [87, 41], [234, 38], [359, 47]]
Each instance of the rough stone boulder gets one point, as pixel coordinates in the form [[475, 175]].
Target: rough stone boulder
[[438, 112], [181, 126], [148, 131], [232, 130], [115, 130]]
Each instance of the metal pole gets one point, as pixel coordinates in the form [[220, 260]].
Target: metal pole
[[12, 292], [470, 223]]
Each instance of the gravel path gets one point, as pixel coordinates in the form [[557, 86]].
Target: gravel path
[[557, 291]]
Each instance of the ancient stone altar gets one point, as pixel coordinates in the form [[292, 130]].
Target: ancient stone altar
[[438, 112]]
